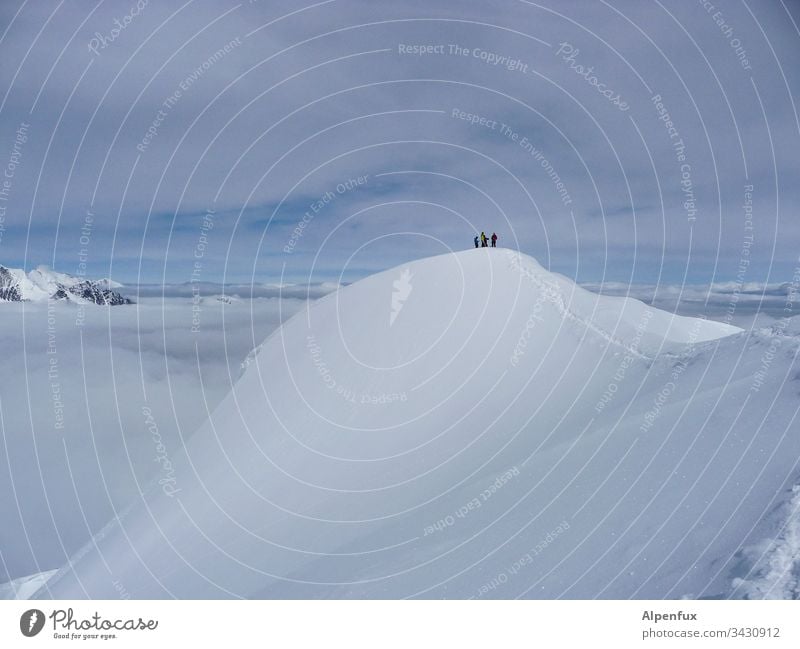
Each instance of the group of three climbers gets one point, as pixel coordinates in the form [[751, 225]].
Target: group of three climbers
[[484, 241]]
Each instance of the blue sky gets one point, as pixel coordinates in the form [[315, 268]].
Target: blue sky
[[253, 112]]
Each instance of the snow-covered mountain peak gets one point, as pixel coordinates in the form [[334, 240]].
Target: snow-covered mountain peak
[[467, 425]]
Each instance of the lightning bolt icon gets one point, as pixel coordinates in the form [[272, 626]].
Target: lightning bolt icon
[[32, 620]]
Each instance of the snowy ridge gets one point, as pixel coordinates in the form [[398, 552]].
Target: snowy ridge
[[434, 455], [606, 315], [550, 290]]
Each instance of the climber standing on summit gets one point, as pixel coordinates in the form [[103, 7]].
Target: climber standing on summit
[[476, 240], [483, 240], [494, 240]]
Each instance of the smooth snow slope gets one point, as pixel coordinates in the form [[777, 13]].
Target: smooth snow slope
[[472, 425]]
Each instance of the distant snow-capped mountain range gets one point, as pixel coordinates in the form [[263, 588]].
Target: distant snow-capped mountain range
[[42, 283]]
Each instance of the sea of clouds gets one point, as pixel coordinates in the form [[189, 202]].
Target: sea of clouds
[[89, 414]]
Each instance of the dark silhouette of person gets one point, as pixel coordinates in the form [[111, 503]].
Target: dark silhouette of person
[[476, 240], [483, 240], [494, 240]]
